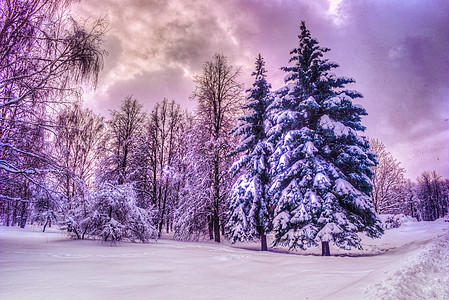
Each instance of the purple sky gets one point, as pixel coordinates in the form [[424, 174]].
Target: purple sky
[[397, 51]]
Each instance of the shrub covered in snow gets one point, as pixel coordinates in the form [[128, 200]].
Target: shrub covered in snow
[[44, 209], [390, 221], [112, 214]]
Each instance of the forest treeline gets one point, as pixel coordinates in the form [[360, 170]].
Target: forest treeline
[[244, 164]]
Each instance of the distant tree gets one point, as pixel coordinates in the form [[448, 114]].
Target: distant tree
[[388, 181], [124, 129], [321, 166], [407, 196], [218, 93], [193, 214], [432, 194], [164, 128], [45, 208], [249, 200], [76, 146], [142, 163]]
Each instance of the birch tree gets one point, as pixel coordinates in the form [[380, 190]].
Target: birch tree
[[44, 56]]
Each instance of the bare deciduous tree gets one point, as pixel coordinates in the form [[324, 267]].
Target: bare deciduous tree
[[219, 96], [192, 218], [125, 127], [388, 181], [78, 134], [432, 195], [164, 130], [44, 55]]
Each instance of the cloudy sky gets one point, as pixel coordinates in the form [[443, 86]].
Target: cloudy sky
[[396, 50]]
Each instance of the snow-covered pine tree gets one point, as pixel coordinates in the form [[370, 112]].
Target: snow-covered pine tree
[[321, 166], [248, 216]]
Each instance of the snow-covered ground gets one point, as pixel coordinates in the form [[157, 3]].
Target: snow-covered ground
[[410, 262]]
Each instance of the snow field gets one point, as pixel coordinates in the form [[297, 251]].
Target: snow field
[[410, 262], [423, 275]]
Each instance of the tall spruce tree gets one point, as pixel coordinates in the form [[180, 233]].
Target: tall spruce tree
[[321, 166], [248, 205]]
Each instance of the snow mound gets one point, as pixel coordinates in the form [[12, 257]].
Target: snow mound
[[423, 276], [390, 221]]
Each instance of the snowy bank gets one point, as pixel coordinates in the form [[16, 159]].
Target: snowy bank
[[394, 221], [409, 262]]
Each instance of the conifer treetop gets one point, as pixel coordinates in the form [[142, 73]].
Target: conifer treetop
[[248, 217]]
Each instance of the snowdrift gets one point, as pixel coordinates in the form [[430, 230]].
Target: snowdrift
[[409, 262]]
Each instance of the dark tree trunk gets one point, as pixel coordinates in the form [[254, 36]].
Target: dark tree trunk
[[164, 203], [325, 251], [216, 221], [14, 215], [159, 233], [122, 176], [84, 232], [76, 233], [67, 192], [7, 214], [211, 228], [216, 208], [23, 217], [263, 241]]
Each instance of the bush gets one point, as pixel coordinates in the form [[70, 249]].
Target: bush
[[390, 221], [113, 215]]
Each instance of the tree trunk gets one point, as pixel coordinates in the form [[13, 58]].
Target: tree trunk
[[69, 204], [23, 217], [325, 251], [164, 203], [45, 226], [76, 233], [216, 221], [211, 228], [7, 214], [263, 241], [14, 215], [216, 218], [84, 232], [159, 232]]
